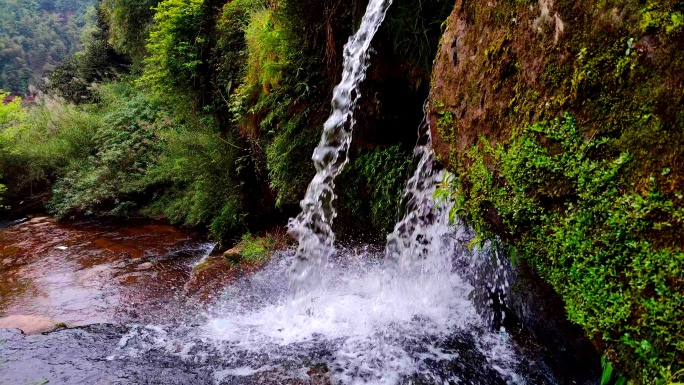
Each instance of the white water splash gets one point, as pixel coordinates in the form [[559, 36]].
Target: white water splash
[[371, 335], [375, 319], [378, 320], [423, 240]]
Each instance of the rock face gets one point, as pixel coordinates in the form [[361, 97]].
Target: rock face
[[210, 276], [29, 324], [619, 68], [599, 84]]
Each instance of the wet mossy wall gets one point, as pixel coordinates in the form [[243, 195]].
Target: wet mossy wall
[[565, 119]]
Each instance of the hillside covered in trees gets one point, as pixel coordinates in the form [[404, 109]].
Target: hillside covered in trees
[[35, 36]]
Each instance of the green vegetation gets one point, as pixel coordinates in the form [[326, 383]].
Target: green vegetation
[[566, 136], [123, 145], [372, 186], [36, 35], [206, 113], [414, 28], [129, 22], [609, 376], [258, 249], [599, 248]]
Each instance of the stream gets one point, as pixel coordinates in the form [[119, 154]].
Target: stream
[[119, 288]]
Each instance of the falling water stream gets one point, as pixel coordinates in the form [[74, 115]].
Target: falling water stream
[[313, 227]]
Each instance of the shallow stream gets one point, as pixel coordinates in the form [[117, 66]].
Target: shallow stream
[[125, 282]]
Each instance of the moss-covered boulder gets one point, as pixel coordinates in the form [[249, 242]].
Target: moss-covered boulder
[[564, 123]]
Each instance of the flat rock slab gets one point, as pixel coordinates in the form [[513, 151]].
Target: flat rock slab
[[28, 324]]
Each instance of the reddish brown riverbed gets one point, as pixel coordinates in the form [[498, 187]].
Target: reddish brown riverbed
[[89, 272]]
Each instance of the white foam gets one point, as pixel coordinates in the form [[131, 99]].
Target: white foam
[[368, 325]]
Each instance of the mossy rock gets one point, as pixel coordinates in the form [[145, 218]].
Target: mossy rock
[[234, 255], [564, 122]]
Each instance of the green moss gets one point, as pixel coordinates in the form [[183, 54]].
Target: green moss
[[593, 201], [445, 122], [574, 218]]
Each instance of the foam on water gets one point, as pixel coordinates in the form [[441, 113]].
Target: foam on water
[[352, 303], [370, 334], [374, 319]]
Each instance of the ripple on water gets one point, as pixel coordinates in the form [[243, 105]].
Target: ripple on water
[[87, 272]]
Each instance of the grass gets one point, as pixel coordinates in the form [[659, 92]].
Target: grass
[[258, 249]]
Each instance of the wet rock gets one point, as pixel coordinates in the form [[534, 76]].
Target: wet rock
[[83, 356], [145, 266], [210, 275], [234, 255], [89, 275], [29, 324], [108, 271], [36, 220]]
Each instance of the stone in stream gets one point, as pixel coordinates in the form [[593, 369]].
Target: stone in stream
[[29, 324], [215, 272], [210, 275]]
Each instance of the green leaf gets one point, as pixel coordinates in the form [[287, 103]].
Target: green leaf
[[607, 373]]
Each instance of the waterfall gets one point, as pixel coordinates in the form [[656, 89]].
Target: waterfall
[[424, 229], [313, 226]]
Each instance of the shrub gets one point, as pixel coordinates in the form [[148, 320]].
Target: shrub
[[258, 249], [414, 28], [112, 179], [267, 48], [73, 78], [42, 142], [175, 47], [130, 22], [199, 170]]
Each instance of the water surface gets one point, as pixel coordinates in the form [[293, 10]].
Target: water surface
[[91, 272]]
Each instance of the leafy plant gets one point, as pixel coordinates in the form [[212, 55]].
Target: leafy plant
[[258, 249], [174, 47], [110, 180], [268, 50], [373, 183], [608, 376]]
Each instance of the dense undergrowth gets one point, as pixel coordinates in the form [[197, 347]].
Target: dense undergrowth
[[206, 112]]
